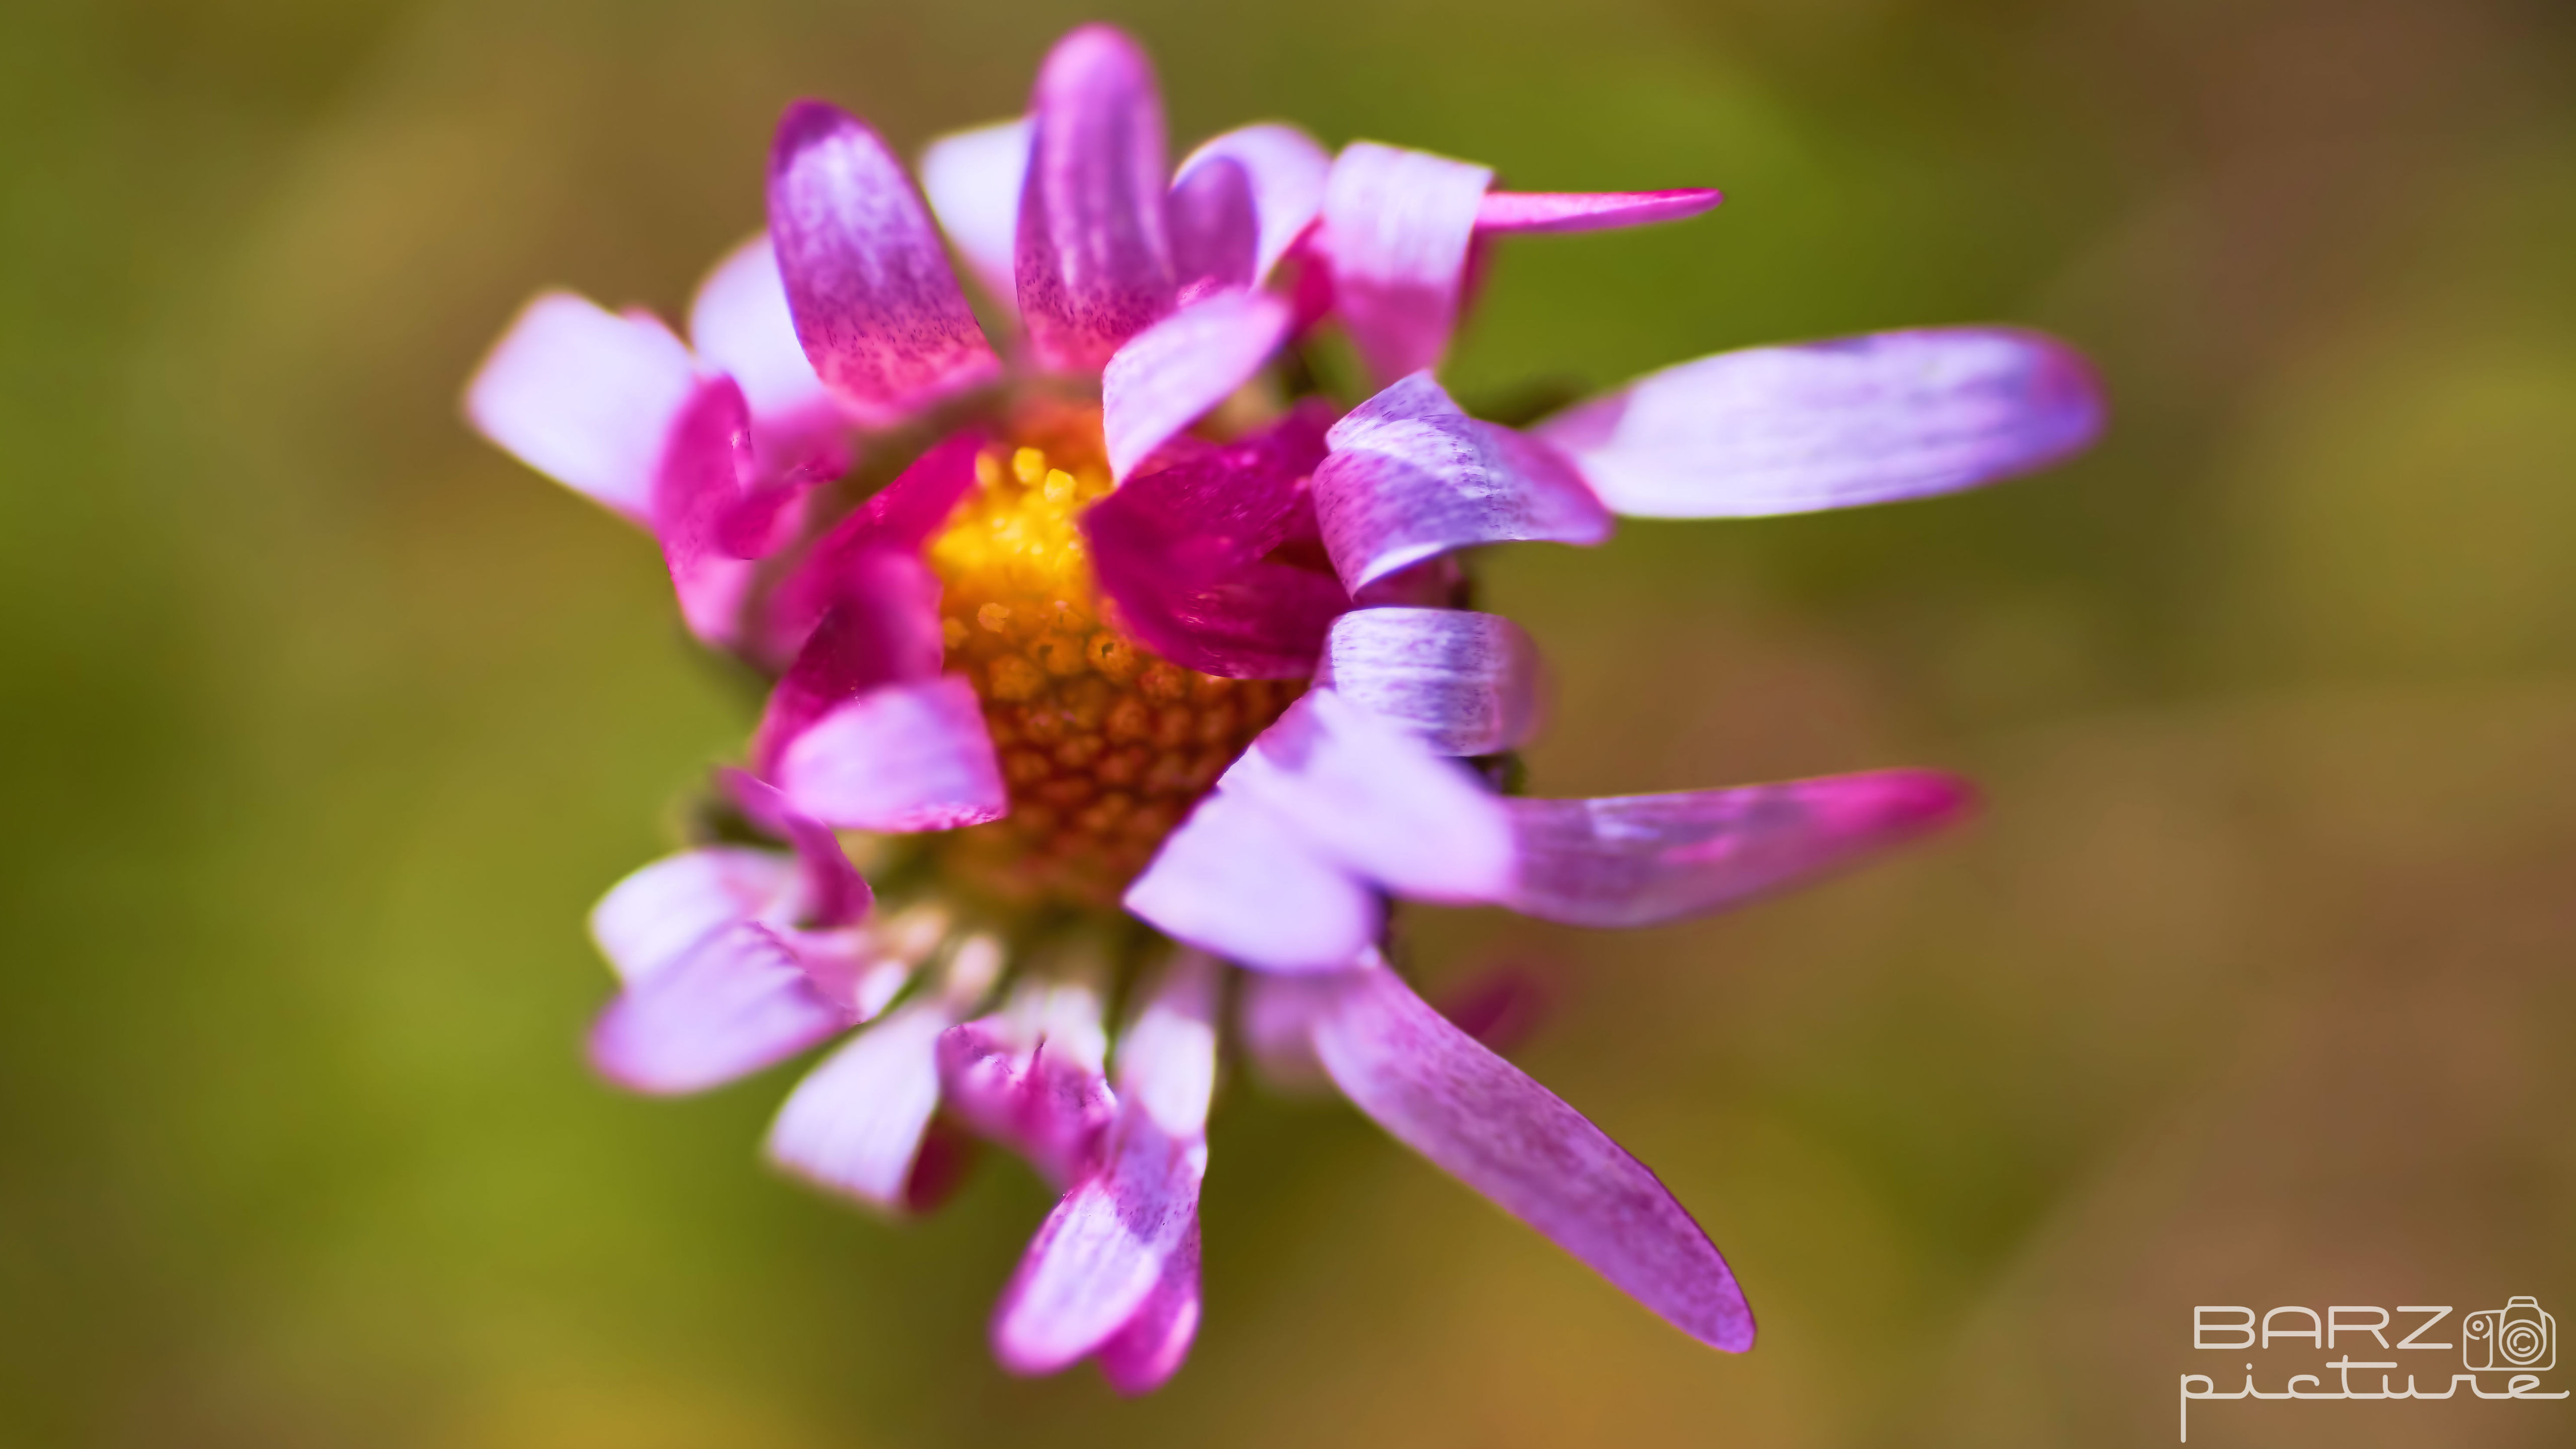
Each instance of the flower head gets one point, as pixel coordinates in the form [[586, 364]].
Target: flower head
[[1112, 656]]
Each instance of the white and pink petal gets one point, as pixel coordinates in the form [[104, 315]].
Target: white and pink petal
[[900, 757], [1639, 860], [584, 396], [1464, 682], [1237, 880], [1397, 225], [876, 307], [1093, 259], [973, 181], [1411, 477], [1479, 1118], [1872, 419], [737, 1001]]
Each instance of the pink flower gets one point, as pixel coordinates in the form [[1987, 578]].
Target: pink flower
[[1146, 669]]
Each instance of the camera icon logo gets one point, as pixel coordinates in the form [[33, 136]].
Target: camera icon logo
[[2516, 1336]]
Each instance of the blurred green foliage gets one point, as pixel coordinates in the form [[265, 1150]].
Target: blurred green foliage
[[331, 722]]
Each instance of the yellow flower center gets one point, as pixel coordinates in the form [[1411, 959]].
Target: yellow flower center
[[1104, 744]]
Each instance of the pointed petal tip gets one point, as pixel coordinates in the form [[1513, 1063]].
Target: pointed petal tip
[[1508, 212]]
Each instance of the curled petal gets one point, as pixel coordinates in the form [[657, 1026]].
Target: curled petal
[[1144, 1355], [855, 1124], [1396, 225], [584, 396], [1096, 1262], [1216, 233], [901, 757], [878, 311], [711, 512], [882, 630], [1533, 211], [1641, 859], [1094, 264], [835, 893], [1411, 476], [1465, 683], [1174, 371], [740, 326], [1833, 424], [973, 180], [656, 915], [1239, 881], [1286, 170], [736, 1002], [1033, 1076], [1476, 1116], [848, 563], [1372, 798], [1183, 551]]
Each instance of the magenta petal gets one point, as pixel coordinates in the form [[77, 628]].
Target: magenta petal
[[656, 915], [1144, 1355], [1396, 225], [1033, 1077], [1215, 230], [901, 757], [1834, 424], [878, 310], [736, 1002], [1365, 794], [1237, 880], [1181, 551], [1476, 1116], [1465, 683], [710, 515], [740, 326], [848, 562], [1639, 859], [855, 1124], [1174, 371], [1094, 264], [1411, 477], [1531, 211], [973, 180], [584, 396], [835, 893], [1286, 169], [1099, 1257], [884, 629]]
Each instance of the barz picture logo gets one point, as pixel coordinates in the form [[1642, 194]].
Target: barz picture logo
[[2503, 1351]]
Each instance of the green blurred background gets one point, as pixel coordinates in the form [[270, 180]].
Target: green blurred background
[[2252, 987]]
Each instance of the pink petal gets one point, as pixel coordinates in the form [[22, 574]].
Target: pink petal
[[1215, 231], [1239, 881], [1174, 371], [1396, 225], [1104, 1257], [1479, 1118], [1183, 553], [1094, 265], [1534, 211], [1833, 424], [583, 396], [1274, 1021], [1465, 683], [1640, 859], [855, 1124], [740, 326], [883, 630], [1287, 171], [736, 1002], [1411, 477], [654, 916], [901, 757], [973, 180], [847, 563], [1033, 1077], [835, 893], [1368, 796], [878, 311], [1144, 1355]]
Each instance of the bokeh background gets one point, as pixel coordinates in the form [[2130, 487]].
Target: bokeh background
[[326, 724]]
